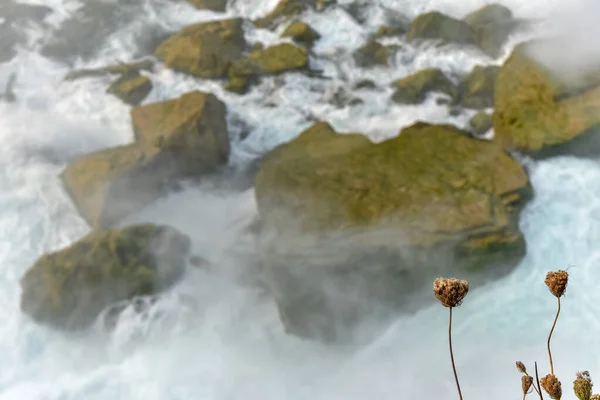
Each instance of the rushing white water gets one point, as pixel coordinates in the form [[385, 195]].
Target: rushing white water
[[213, 339]]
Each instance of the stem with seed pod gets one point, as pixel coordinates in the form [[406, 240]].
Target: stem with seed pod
[[550, 336], [452, 354]]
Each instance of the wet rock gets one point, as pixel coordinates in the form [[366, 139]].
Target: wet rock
[[285, 10], [175, 139], [69, 288], [386, 30], [480, 123], [272, 60], [371, 54], [119, 69], [364, 84], [492, 25], [360, 229], [213, 5], [205, 49], [131, 88], [301, 33], [477, 89], [437, 26], [414, 88], [541, 114]]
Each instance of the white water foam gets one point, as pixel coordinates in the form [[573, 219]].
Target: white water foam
[[213, 339]]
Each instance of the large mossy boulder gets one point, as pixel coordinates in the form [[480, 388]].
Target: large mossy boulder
[[492, 25], [192, 128], [213, 5], [435, 25], [477, 89], [176, 139], [539, 113], [69, 288], [285, 10], [353, 229], [205, 49], [414, 88]]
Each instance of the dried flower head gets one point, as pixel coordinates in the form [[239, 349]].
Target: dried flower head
[[450, 291], [552, 386], [526, 382], [595, 397], [557, 282], [521, 367], [582, 386]]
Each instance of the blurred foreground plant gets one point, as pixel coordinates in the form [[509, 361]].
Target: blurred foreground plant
[[451, 292]]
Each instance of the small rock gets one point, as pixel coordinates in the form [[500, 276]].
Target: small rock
[[301, 33], [131, 89], [413, 88], [480, 123], [477, 89], [285, 10], [371, 54], [435, 25], [491, 24], [213, 5]]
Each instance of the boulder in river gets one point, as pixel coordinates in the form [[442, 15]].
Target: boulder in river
[[69, 288], [204, 49], [541, 113], [285, 10], [491, 25], [132, 89], [477, 89], [353, 229], [435, 25], [175, 139], [414, 88], [213, 5]]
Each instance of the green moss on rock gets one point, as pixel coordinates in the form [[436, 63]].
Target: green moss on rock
[[302, 33], [435, 25], [353, 223], [492, 25], [414, 88], [371, 54], [213, 5], [480, 123], [477, 89], [131, 89], [272, 60], [205, 49], [285, 9], [69, 288], [185, 137], [536, 111]]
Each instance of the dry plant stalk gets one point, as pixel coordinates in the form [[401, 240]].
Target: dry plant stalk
[[557, 283], [451, 292]]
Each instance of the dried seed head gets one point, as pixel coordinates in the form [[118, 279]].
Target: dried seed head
[[595, 397], [557, 282], [552, 386], [521, 367], [582, 386], [450, 291], [526, 382]]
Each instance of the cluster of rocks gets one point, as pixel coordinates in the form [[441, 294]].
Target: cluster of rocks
[[348, 228]]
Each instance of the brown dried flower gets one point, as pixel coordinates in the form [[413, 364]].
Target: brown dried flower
[[595, 397], [582, 386], [526, 382], [450, 291], [521, 367], [552, 386], [557, 282]]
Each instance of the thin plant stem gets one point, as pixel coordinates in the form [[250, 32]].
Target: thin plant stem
[[537, 379], [550, 336], [452, 355]]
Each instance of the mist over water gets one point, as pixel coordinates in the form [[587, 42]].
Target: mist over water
[[213, 337]]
